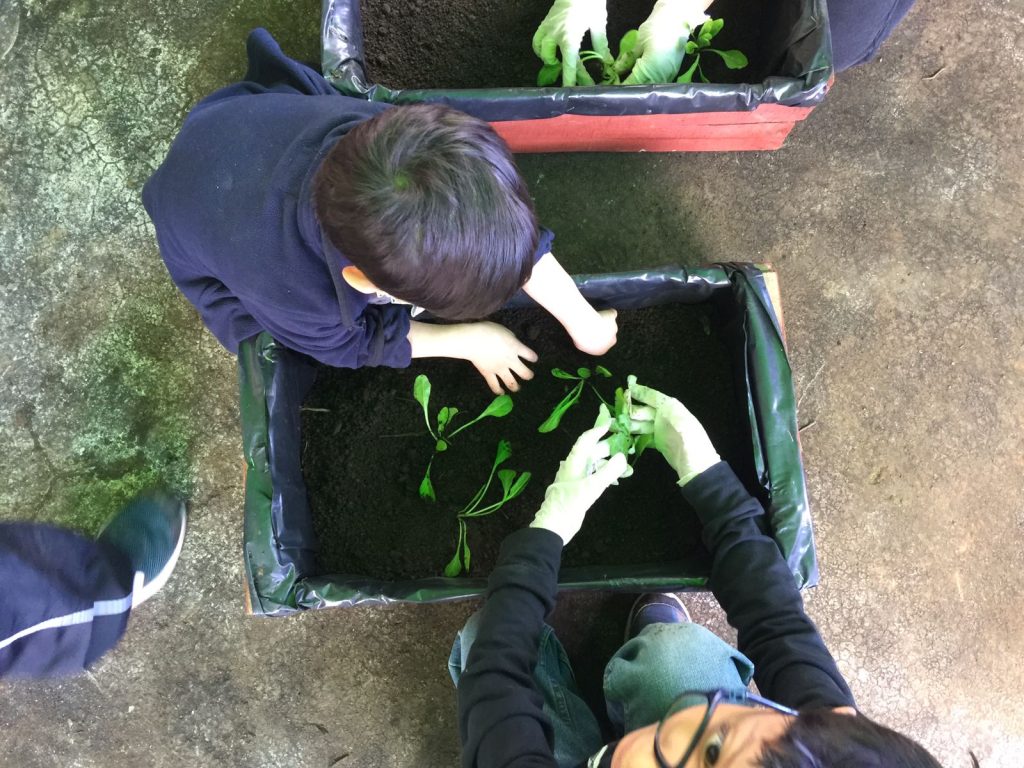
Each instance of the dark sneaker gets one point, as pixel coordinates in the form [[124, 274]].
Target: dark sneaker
[[655, 608], [149, 532]]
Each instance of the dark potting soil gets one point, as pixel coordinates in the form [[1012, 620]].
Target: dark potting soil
[[366, 446], [489, 43]]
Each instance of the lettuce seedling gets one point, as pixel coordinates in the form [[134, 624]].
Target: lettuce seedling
[[499, 407], [622, 440], [733, 59], [582, 377], [512, 484]]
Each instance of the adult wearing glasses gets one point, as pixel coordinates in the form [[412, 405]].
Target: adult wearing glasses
[[675, 692]]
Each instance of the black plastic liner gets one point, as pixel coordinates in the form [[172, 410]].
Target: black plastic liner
[[274, 381], [802, 64]]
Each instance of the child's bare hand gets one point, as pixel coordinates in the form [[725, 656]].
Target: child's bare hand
[[598, 336], [498, 355]]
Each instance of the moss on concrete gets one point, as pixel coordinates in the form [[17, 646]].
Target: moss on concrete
[[137, 427]]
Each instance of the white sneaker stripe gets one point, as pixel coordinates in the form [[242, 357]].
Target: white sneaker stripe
[[99, 608]]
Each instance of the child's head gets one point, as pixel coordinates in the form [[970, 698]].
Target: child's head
[[429, 204]]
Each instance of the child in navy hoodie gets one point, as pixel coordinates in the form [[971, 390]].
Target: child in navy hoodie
[[286, 207]]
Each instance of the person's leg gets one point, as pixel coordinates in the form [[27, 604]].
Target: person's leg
[[65, 600], [666, 658], [859, 27], [577, 734]]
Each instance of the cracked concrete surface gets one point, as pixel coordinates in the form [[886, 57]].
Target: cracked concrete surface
[[893, 216]]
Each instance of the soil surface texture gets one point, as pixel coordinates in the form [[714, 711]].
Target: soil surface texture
[[366, 447], [489, 43]]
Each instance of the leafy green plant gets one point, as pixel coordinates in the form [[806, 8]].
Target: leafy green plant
[[618, 70], [512, 485], [733, 59], [499, 407], [622, 439], [582, 377]]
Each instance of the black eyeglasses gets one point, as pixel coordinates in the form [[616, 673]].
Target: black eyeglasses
[[713, 699]]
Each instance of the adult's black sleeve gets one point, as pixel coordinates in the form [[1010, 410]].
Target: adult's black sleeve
[[501, 720], [753, 584]]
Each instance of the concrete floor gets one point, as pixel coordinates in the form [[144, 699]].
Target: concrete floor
[[893, 215]]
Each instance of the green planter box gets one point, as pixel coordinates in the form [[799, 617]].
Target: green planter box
[[280, 544]]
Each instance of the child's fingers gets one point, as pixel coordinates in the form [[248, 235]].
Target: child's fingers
[[520, 369], [526, 353], [492, 382], [509, 380]]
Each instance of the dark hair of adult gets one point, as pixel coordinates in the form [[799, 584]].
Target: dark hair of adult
[[827, 739], [428, 203]]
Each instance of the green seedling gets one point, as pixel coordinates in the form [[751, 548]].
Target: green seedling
[[442, 433], [622, 440], [512, 484], [701, 44], [582, 377], [549, 74]]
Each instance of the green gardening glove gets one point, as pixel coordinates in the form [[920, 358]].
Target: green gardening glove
[[563, 29], [661, 41], [581, 479], [677, 434]]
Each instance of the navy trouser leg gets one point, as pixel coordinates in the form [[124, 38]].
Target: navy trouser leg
[[64, 600], [859, 27]]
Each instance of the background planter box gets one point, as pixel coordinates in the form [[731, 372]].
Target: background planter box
[[280, 544], [661, 118]]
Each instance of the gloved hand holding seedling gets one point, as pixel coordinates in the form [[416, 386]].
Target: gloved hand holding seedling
[[660, 43], [562, 30], [585, 474], [499, 407], [676, 433]]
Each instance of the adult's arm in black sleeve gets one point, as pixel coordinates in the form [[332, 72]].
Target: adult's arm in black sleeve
[[753, 584], [501, 720]]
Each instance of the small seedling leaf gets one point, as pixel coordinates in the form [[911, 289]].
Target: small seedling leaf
[[426, 486], [549, 74], [441, 446], [628, 42], [421, 391], [500, 406], [454, 567], [465, 555], [600, 370], [687, 76], [552, 421], [640, 444], [444, 416], [520, 483], [733, 59], [558, 373], [619, 442], [503, 452], [506, 477], [708, 30], [583, 373], [691, 47]]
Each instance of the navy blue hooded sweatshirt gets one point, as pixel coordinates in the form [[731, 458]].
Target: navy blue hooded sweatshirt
[[235, 222]]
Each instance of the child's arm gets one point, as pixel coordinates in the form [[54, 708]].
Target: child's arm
[[492, 348], [553, 288]]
